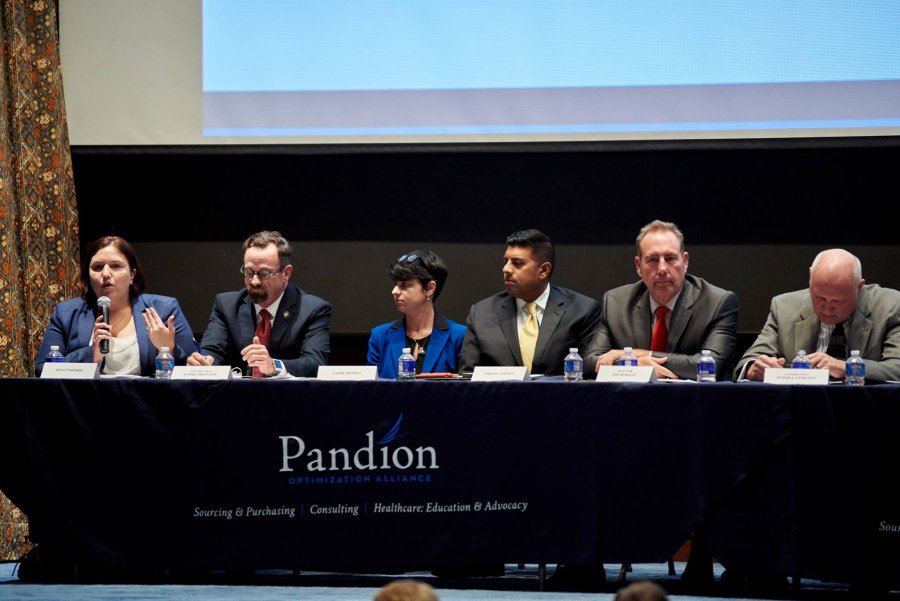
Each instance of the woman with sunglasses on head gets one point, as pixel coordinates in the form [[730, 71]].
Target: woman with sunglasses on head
[[435, 341], [139, 324]]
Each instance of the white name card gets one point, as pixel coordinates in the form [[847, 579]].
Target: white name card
[[626, 373], [347, 372], [484, 373], [783, 375], [71, 371], [201, 372]]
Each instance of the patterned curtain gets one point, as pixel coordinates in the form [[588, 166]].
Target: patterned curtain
[[39, 260]]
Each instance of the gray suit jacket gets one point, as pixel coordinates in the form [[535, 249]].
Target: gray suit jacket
[[300, 332], [569, 321], [705, 317], [874, 330]]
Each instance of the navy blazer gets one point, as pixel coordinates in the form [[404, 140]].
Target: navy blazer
[[300, 332], [72, 325], [441, 355], [569, 321]]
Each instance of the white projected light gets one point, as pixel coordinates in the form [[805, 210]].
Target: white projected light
[[321, 71]]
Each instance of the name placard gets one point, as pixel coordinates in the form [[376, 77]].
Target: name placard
[[783, 375], [347, 372], [626, 373], [201, 372], [484, 373], [71, 371]]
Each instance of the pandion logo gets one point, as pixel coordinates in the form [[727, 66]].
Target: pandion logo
[[369, 458]]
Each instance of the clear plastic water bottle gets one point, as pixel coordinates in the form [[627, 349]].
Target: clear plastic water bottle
[[706, 367], [164, 363], [628, 357], [573, 367], [54, 356], [855, 370], [801, 361], [406, 365]]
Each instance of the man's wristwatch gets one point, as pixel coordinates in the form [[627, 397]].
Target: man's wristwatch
[[279, 368]]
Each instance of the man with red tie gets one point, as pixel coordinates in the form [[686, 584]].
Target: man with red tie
[[667, 317], [271, 327]]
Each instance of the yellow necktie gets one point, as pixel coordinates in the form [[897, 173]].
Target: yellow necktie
[[528, 337]]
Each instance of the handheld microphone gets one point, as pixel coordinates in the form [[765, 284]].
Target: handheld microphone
[[103, 305]]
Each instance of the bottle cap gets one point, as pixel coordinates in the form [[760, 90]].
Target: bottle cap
[[852, 353], [628, 349], [56, 348], [164, 349], [407, 349], [573, 350]]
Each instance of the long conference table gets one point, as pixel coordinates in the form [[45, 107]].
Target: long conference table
[[310, 474]]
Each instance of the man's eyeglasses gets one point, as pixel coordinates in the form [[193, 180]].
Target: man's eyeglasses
[[262, 274]]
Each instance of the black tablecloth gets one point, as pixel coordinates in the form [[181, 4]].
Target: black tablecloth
[[301, 474]]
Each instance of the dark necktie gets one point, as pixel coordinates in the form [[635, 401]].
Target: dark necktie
[[263, 332], [660, 333], [837, 344]]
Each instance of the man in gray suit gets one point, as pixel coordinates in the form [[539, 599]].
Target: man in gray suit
[[695, 314], [668, 317], [838, 313], [566, 319]]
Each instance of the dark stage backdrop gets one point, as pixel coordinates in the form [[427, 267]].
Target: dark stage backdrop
[[754, 213]]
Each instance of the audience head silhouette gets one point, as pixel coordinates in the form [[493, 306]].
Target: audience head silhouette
[[643, 590], [406, 590]]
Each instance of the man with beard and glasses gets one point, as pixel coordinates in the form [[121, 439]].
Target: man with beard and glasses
[[271, 327]]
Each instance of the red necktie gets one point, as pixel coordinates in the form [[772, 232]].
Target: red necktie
[[660, 333], [263, 331]]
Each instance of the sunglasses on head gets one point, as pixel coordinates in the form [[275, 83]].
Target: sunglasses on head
[[412, 258]]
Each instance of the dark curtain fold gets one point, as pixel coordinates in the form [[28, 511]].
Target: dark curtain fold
[[39, 254]]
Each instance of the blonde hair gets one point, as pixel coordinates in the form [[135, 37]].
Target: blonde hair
[[406, 590], [642, 590]]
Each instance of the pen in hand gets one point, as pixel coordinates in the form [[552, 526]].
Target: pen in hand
[[197, 358]]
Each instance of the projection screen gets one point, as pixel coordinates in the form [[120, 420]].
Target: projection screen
[[388, 71]]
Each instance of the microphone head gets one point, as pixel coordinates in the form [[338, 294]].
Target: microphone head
[[103, 301]]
